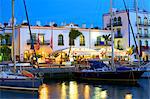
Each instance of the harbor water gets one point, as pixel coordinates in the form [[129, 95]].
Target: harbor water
[[82, 90]]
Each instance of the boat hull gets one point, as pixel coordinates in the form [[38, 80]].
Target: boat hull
[[123, 76], [26, 83]]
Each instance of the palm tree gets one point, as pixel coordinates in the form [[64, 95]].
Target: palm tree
[[6, 51], [130, 51], [73, 34], [7, 37], [1, 37], [107, 39]]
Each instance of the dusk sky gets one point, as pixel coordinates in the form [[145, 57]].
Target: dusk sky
[[76, 11]]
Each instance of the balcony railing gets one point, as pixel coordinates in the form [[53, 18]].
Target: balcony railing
[[143, 48], [144, 36], [118, 36], [143, 24], [115, 24], [102, 44], [29, 42], [46, 42]]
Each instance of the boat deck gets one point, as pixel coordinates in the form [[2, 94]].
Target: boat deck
[[19, 88]]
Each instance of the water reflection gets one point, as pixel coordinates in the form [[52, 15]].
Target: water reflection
[[99, 93], [86, 92], [76, 90], [73, 90], [63, 91], [43, 92], [128, 96]]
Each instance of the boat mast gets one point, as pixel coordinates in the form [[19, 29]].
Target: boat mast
[[13, 37], [138, 34], [112, 36], [29, 26]]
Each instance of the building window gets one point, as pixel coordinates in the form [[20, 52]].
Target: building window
[[98, 40], [140, 32], [34, 37], [115, 21], [139, 20], [118, 44], [135, 56], [146, 32], [140, 43], [41, 38], [119, 32], [82, 40], [146, 43], [119, 20], [110, 21], [60, 39], [145, 21]]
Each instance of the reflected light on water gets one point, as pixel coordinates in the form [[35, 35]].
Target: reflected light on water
[[43, 92], [86, 92], [128, 96], [73, 90], [63, 91], [103, 94], [99, 93]]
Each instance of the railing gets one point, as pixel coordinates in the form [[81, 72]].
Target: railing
[[46, 42], [118, 36], [101, 44], [29, 42], [82, 44], [143, 48], [115, 24], [143, 23], [144, 36]]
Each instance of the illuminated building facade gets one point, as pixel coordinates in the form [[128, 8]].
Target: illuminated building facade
[[48, 39], [123, 33]]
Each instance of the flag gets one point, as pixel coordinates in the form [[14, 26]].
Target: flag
[[51, 39], [38, 43]]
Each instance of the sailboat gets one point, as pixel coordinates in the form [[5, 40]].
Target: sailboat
[[100, 71], [23, 80]]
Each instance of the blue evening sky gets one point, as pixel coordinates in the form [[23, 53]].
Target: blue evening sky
[[76, 11]]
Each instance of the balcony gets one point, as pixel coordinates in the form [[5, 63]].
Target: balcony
[[145, 36], [46, 42], [147, 24], [143, 48], [29, 42], [102, 44], [115, 24], [118, 36]]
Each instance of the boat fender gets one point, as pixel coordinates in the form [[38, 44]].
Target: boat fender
[[40, 74]]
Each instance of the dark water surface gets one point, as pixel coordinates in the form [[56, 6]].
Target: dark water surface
[[76, 90]]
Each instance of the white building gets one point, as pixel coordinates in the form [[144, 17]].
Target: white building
[[56, 38], [123, 33]]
